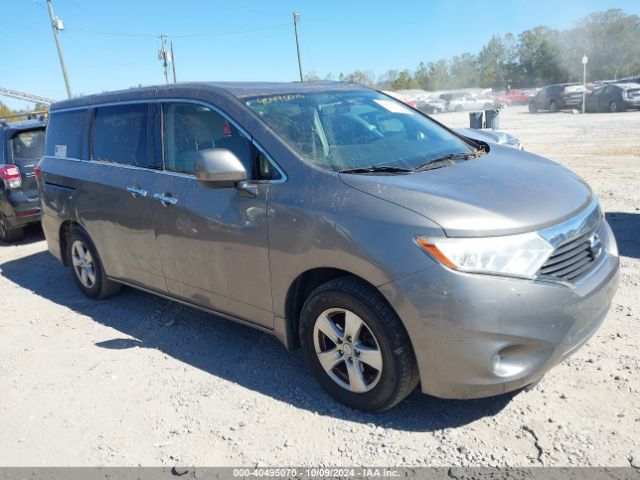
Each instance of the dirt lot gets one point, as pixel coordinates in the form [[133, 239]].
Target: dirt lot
[[137, 380]]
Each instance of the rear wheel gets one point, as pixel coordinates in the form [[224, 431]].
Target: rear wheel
[[533, 108], [86, 267], [9, 235], [613, 107], [553, 106], [356, 346], [458, 108]]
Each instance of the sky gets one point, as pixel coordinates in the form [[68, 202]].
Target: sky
[[113, 44]]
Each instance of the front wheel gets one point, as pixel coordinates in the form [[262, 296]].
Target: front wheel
[[86, 267], [613, 107], [356, 346], [553, 107], [533, 108], [459, 108]]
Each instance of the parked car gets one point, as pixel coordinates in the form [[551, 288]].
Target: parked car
[[394, 251], [514, 97], [22, 147], [432, 105], [470, 102], [490, 136], [613, 98], [564, 96]]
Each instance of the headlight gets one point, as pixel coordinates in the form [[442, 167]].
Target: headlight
[[512, 255]]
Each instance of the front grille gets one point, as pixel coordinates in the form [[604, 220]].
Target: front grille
[[575, 258]]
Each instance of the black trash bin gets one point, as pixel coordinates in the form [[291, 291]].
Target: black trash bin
[[492, 117], [475, 119]]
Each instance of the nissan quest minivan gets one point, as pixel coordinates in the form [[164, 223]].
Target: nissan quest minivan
[[392, 250]]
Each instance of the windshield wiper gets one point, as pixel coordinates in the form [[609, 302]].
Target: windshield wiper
[[448, 159], [378, 169]]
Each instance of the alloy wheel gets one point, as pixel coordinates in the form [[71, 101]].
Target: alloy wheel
[[83, 264], [347, 350]]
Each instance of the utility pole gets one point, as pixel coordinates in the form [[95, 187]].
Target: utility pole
[[296, 19], [162, 56], [173, 63], [585, 59], [57, 25]]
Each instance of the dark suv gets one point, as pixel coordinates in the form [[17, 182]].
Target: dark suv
[[563, 96], [21, 150]]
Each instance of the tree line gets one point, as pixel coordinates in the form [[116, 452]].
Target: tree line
[[536, 57]]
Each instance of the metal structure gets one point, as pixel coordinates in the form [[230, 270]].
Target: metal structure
[[57, 25], [7, 92], [163, 56], [296, 19]]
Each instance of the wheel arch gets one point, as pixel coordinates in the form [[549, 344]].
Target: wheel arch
[[63, 235], [299, 291]]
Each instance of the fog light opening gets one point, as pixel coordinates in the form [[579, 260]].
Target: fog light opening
[[510, 361]]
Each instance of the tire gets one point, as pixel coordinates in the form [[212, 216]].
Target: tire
[[337, 306], [553, 106], [10, 235], [459, 108], [533, 108], [92, 282], [613, 107]]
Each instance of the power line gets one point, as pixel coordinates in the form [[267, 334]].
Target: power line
[[189, 35]]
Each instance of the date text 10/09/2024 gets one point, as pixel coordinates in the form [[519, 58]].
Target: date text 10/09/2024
[[303, 473]]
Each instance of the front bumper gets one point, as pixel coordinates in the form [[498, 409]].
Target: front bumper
[[628, 104], [480, 335]]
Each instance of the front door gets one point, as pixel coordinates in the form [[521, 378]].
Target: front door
[[213, 242]]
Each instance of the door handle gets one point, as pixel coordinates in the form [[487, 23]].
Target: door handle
[[165, 199], [136, 192]]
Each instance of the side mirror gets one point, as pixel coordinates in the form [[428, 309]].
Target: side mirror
[[219, 167]]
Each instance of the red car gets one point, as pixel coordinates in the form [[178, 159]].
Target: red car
[[514, 97]]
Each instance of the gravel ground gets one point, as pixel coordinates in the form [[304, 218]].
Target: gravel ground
[[137, 380]]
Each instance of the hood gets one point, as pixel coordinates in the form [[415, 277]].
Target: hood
[[506, 191], [491, 136]]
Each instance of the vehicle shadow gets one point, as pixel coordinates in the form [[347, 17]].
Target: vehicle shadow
[[239, 354], [626, 228]]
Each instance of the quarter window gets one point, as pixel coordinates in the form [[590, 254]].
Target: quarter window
[[65, 134], [120, 135]]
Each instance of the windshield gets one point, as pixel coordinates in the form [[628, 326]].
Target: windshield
[[362, 129], [28, 145]]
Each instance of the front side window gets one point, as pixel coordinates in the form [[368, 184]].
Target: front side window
[[188, 128], [28, 145], [120, 135], [65, 134], [355, 129]]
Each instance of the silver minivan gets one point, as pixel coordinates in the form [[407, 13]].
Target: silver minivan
[[392, 250]]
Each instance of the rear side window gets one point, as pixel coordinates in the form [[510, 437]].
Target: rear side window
[[120, 135], [65, 134], [28, 145]]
